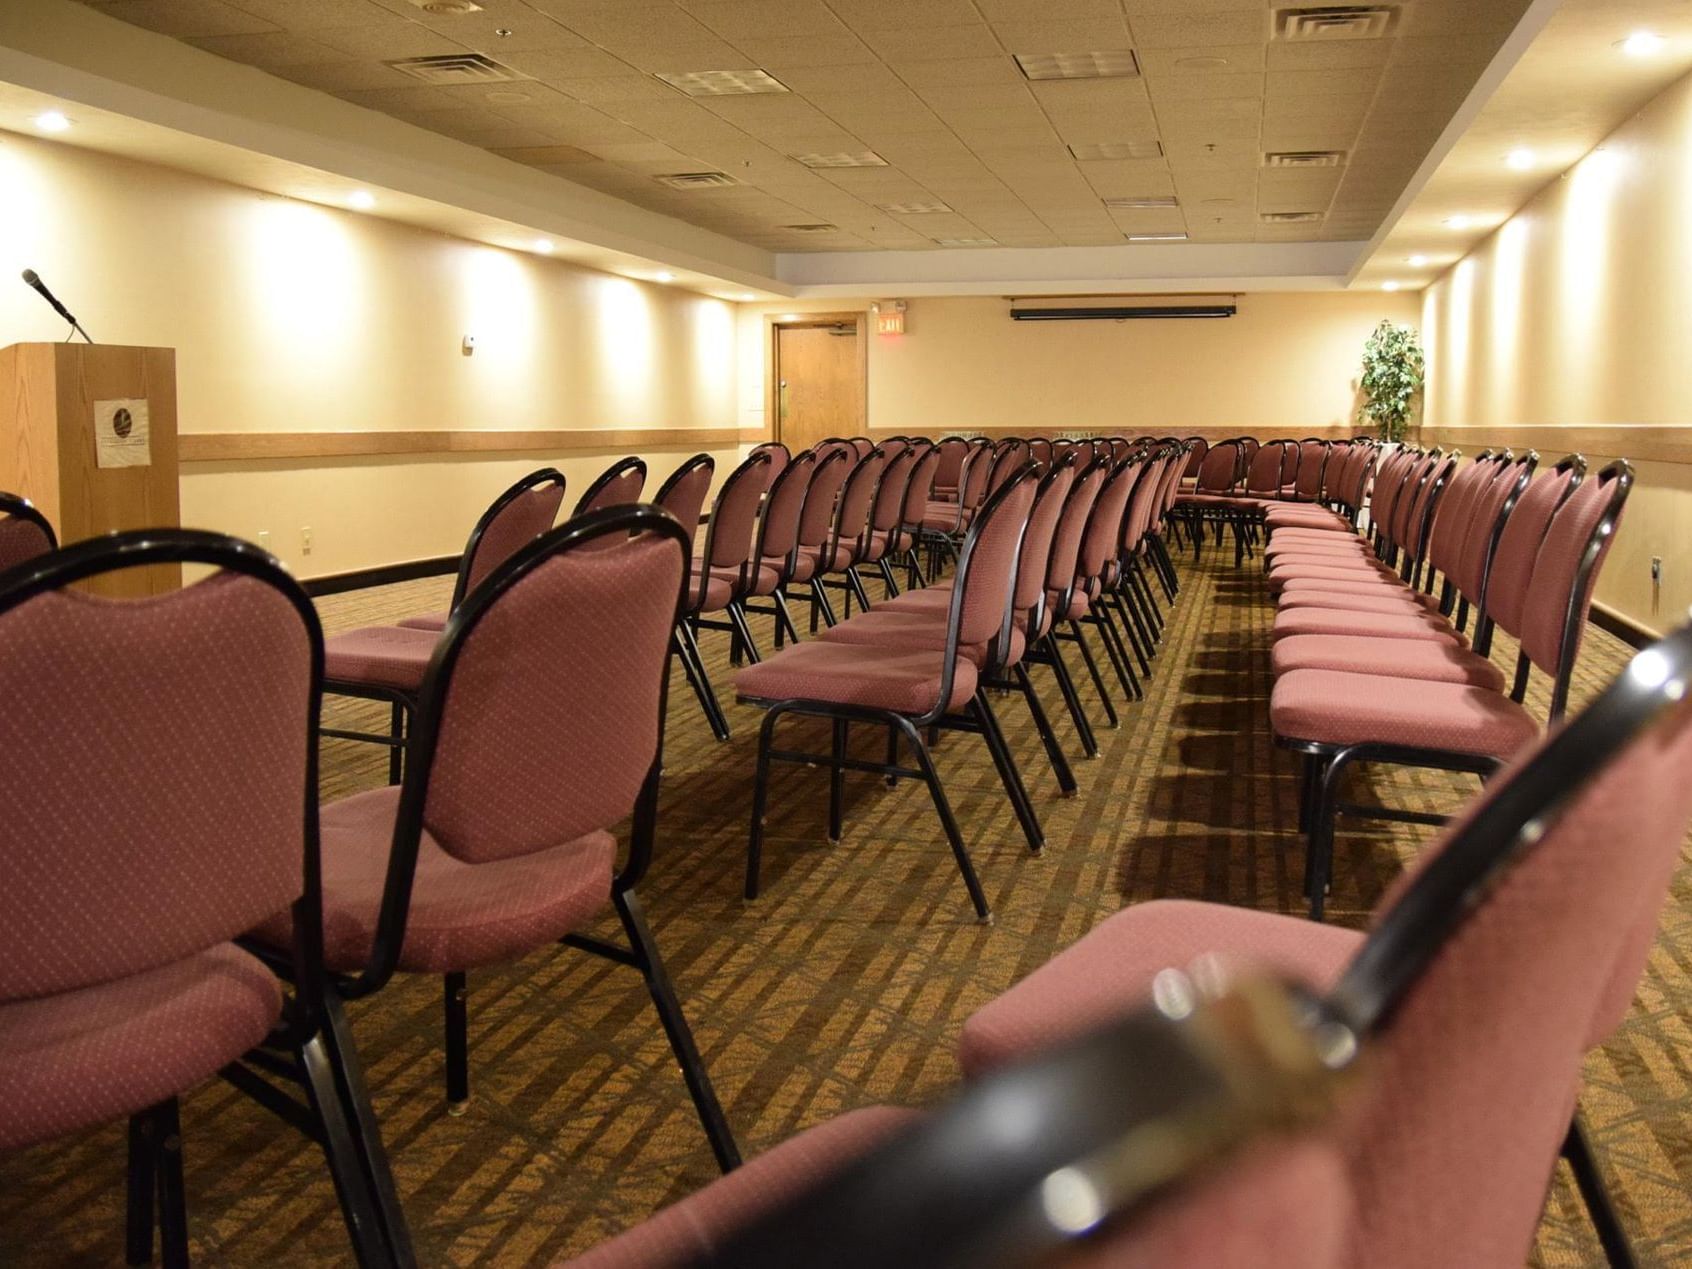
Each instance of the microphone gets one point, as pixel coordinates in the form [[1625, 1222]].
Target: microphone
[[33, 278]]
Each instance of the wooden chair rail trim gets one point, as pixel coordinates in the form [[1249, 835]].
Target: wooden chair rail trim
[[237, 447], [1655, 443]]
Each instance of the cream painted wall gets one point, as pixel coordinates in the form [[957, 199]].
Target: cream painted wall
[[1575, 314], [1284, 363], [288, 316]]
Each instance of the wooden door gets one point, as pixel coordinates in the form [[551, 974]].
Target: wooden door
[[819, 382]]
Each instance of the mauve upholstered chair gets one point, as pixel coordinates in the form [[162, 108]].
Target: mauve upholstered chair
[[1509, 950], [386, 663], [848, 542], [619, 485], [778, 454], [945, 521], [161, 800], [1211, 499], [886, 515], [1540, 593], [919, 490], [1154, 1140], [775, 549], [816, 525], [1081, 604], [683, 496], [24, 532], [947, 475], [722, 574], [908, 691], [497, 844]]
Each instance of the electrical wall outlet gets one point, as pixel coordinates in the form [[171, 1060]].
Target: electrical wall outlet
[[305, 539], [1657, 570]]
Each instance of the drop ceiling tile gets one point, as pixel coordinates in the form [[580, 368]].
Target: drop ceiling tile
[[398, 101], [1459, 17], [669, 120], [388, 42], [1318, 55], [1323, 83], [566, 63], [733, 19], [1040, 35], [183, 18], [1201, 30], [893, 15], [606, 90], [1187, 60], [1127, 178], [1308, 133], [348, 76], [775, 51], [640, 152], [1184, 86], [860, 77], [269, 50], [771, 115], [933, 43], [309, 15]]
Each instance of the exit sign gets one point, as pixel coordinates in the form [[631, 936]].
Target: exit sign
[[890, 323]]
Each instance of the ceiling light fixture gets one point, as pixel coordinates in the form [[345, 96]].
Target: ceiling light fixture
[[544, 246], [722, 83], [1157, 237], [1099, 150], [1641, 44], [1142, 202], [52, 121], [1418, 261], [1457, 222], [361, 200], [966, 242], [1520, 159], [1389, 286], [863, 158], [1111, 64], [664, 275]]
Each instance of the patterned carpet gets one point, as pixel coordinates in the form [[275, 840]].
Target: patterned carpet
[[844, 985]]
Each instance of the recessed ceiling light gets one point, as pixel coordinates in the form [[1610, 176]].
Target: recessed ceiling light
[[862, 158], [1157, 237], [544, 246], [722, 83], [361, 199], [52, 121], [1641, 44], [664, 275], [746, 297], [818, 228], [790, 317], [1520, 159], [966, 242], [1418, 261], [1117, 150], [1457, 222], [1389, 286], [1111, 64], [1142, 201], [1204, 62], [913, 209]]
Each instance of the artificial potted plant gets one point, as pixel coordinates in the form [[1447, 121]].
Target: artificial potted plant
[[1393, 370]]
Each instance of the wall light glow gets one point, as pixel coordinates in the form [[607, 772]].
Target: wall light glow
[[1418, 261], [665, 275], [1457, 222], [1389, 286], [1520, 159], [544, 246], [52, 121], [626, 352], [361, 200], [1642, 44]]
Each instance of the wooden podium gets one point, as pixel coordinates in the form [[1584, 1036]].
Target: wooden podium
[[88, 434]]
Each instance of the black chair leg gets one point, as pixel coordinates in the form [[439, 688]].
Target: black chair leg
[[680, 1035], [888, 580], [743, 632], [948, 821], [700, 681], [892, 753], [1093, 669], [396, 752], [365, 1225], [819, 599], [857, 588], [1048, 739], [1589, 1179], [1071, 699], [457, 1009], [837, 782], [1319, 858], [142, 1201], [1111, 637], [1009, 775], [760, 801], [173, 1200], [362, 1131], [784, 620]]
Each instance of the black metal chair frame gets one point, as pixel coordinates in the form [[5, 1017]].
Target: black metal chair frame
[[685, 650], [616, 471], [311, 1049], [910, 727], [843, 536], [642, 952], [17, 507], [807, 464], [402, 704], [1325, 764]]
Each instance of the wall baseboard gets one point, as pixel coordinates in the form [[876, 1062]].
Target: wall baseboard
[[241, 447], [1623, 627], [380, 575]]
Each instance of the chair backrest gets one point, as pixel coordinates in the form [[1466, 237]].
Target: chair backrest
[[1491, 511], [1009, 457], [778, 524], [1064, 565], [160, 782], [1313, 459], [893, 446], [987, 562], [778, 454], [518, 516], [1036, 552], [541, 713], [728, 540], [1171, 486], [977, 468], [919, 487], [1496, 964], [851, 512], [683, 494], [1510, 575], [1391, 480], [952, 452], [1264, 475], [1453, 519], [889, 501], [1041, 450], [817, 519], [618, 485], [24, 532], [1197, 448], [1142, 502], [862, 446], [1104, 526], [1220, 468]]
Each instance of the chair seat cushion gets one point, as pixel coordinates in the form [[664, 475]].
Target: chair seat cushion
[[1336, 708], [1404, 603], [1402, 658], [1327, 568], [462, 916], [719, 589], [935, 600], [850, 674], [763, 584], [1340, 545], [910, 631], [1374, 625], [379, 656], [1110, 970], [1306, 517], [435, 621], [688, 1230], [942, 515], [1360, 584], [81, 1058]]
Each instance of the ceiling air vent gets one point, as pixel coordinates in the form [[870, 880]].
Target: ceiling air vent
[[1289, 218], [696, 180], [812, 229], [454, 68], [1304, 158], [447, 8], [1333, 22]]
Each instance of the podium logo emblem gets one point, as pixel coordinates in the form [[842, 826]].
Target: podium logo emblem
[[123, 423]]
